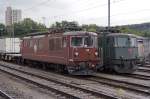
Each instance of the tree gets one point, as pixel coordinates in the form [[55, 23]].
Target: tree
[[91, 28], [28, 26], [3, 31], [65, 24]]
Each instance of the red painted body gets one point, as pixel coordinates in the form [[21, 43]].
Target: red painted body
[[38, 48]]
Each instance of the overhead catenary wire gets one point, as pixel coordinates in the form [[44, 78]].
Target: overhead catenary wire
[[72, 12], [86, 3], [61, 16], [37, 5], [83, 10]]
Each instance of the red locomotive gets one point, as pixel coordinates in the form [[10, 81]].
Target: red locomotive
[[75, 52]]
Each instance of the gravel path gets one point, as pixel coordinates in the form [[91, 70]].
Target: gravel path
[[21, 90]]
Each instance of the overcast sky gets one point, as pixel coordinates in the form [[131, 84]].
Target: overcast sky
[[83, 11]]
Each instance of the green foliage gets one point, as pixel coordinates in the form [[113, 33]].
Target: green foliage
[[22, 28], [91, 27], [28, 26], [138, 29], [3, 31], [127, 29], [65, 24]]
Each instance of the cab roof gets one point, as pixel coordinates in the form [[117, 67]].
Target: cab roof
[[121, 34], [63, 33], [79, 33]]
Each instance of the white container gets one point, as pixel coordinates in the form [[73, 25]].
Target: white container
[[10, 45]]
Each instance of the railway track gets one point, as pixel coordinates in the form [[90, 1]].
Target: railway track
[[148, 66], [63, 89], [104, 91], [142, 73], [122, 83], [94, 92], [145, 75], [144, 69], [4, 95], [124, 86], [138, 75]]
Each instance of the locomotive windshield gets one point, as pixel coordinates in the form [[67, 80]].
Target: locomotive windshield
[[77, 41], [125, 42], [133, 41], [88, 41]]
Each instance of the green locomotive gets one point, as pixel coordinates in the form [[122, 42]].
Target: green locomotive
[[120, 52]]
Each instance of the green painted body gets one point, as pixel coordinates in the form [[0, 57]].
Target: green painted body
[[124, 57], [126, 52]]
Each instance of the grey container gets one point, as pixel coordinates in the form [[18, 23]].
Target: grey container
[[10, 45]]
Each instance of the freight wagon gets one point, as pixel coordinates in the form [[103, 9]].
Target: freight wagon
[[143, 49], [9, 48]]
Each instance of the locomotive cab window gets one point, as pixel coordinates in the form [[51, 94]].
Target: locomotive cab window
[[121, 42], [77, 41], [85, 41], [125, 42], [133, 42], [88, 41]]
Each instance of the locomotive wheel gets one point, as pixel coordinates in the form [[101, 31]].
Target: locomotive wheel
[[124, 69], [60, 68], [118, 69]]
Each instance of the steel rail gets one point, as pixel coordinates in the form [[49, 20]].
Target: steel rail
[[144, 70], [137, 76], [141, 74], [121, 81], [100, 94], [116, 84], [4, 95]]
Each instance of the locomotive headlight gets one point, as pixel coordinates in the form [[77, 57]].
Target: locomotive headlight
[[121, 57], [96, 53], [76, 54], [93, 65]]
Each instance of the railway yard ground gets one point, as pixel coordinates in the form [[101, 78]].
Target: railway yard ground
[[23, 82]]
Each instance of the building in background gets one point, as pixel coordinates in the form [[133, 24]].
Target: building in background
[[8, 16], [16, 16], [12, 16]]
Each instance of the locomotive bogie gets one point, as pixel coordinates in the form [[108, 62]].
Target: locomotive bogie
[[123, 66]]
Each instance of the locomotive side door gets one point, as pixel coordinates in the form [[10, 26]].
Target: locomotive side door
[[108, 49]]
